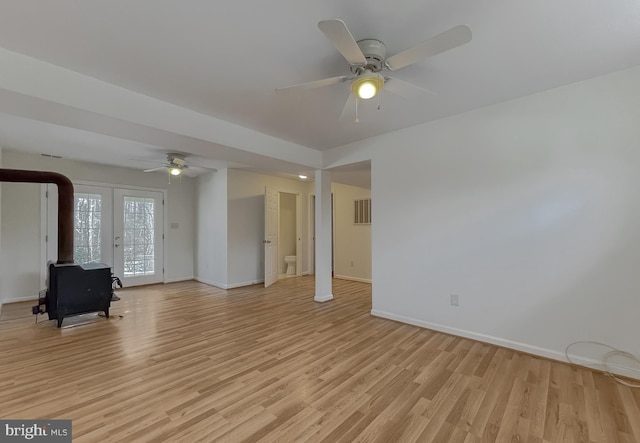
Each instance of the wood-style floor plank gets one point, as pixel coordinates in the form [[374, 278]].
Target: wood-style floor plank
[[189, 362]]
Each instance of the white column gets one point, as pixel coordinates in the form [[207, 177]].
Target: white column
[[323, 236]]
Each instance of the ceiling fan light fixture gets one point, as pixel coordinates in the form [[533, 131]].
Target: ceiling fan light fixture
[[367, 85], [175, 171]]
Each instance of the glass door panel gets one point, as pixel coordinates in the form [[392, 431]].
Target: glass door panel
[[138, 236], [87, 227]]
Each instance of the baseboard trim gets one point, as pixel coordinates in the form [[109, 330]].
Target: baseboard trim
[[178, 279], [346, 277], [323, 298], [210, 282], [247, 283], [223, 286], [590, 363], [21, 299]]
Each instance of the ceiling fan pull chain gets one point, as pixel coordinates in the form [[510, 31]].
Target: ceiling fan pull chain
[[378, 96], [357, 121]]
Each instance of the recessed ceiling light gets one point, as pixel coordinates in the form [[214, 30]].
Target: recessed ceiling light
[[302, 177]]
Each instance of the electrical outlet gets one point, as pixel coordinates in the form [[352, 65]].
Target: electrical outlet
[[455, 300]]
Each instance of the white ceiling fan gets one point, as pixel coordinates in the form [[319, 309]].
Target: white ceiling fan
[[369, 64], [176, 165]]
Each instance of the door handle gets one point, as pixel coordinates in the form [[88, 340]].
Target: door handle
[[266, 241]]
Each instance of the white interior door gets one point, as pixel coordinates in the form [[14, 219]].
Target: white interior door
[[270, 236], [138, 236]]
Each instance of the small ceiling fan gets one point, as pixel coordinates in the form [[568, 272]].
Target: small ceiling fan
[[176, 165], [368, 62]]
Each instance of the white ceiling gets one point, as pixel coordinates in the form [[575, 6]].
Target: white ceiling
[[224, 58], [38, 137]]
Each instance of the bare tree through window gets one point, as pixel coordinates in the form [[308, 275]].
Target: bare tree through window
[[87, 228], [139, 229]]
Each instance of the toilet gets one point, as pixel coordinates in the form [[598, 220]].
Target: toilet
[[290, 260]]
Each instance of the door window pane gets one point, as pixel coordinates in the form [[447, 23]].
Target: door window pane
[[87, 228], [138, 236]]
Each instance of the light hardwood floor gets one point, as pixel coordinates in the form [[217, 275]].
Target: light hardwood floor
[[186, 362]]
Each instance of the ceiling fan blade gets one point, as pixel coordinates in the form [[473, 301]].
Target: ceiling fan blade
[[312, 85], [338, 34], [450, 39], [405, 89], [194, 171], [349, 110], [161, 168], [189, 172]]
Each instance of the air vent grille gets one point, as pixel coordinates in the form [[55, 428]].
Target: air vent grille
[[362, 211]]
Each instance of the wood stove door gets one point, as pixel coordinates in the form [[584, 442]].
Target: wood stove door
[[138, 236]]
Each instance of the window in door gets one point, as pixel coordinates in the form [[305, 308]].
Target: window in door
[[87, 241], [139, 235]]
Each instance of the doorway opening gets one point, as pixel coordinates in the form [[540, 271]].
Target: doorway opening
[[351, 241], [288, 262], [283, 235]]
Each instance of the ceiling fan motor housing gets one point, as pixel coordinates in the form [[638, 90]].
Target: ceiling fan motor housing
[[375, 52], [175, 159]]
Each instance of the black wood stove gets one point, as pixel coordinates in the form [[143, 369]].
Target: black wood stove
[[77, 289]]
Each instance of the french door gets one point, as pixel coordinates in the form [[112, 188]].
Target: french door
[[92, 224], [122, 228], [138, 232]]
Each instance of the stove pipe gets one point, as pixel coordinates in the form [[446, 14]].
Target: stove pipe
[[65, 204]]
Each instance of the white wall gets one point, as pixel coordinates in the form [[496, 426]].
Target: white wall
[[246, 223], [528, 210], [20, 259], [20, 230], [1, 293], [286, 229], [352, 243], [211, 240]]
